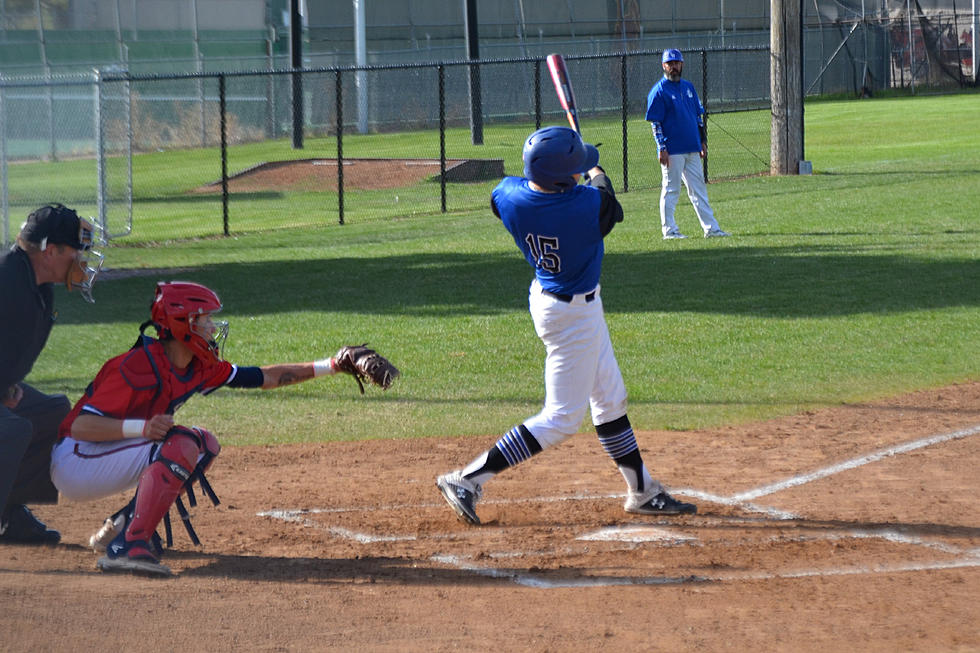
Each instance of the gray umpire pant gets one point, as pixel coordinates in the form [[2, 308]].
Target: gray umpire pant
[[27, 433]]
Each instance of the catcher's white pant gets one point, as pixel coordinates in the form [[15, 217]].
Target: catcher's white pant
[[686, 167], [83, 471], [580, 369]]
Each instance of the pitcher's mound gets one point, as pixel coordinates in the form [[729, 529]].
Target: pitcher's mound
[[359, 174]]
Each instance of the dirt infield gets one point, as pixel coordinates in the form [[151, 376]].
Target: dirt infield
[[359, 174], [852, 528]]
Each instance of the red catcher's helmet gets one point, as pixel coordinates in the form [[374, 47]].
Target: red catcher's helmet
[[183, 311]]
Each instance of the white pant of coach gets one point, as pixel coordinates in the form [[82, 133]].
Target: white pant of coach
[[580, 370], [686, 168]]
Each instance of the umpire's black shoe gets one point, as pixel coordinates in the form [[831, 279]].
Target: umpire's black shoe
[[20, 526]]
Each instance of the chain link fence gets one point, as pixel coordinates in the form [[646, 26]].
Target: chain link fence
[[162, 157]]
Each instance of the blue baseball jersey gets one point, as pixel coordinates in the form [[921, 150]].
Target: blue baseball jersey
[[558, 233], [675, 107]]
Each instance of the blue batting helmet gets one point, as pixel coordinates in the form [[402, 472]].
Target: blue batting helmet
[[553, 154], [672, 55]]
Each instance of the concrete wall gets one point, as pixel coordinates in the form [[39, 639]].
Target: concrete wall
[[159, 15]]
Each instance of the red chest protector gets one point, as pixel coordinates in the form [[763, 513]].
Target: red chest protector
[[143, 382]]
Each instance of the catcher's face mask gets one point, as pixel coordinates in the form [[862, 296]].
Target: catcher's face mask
[[213, 332], [88, 262]]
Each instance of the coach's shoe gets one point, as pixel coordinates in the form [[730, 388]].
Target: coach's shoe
[[659, 504], [18, 525], [135, 557], [673, 234], [716, 233], [461, 495]]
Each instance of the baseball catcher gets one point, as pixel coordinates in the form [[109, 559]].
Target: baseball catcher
[[122, 433]]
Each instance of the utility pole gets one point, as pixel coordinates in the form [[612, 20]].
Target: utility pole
[[786, 86]]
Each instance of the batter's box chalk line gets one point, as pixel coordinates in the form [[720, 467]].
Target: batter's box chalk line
[[648, 534], [538, 580]]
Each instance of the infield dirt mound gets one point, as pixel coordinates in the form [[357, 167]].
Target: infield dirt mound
[[359, 174], [851, 528]]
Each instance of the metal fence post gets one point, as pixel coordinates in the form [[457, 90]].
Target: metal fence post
[[4, 197], [339, 87], [100, 162], [626, 104], [442, 135], [270, 90], [222, 110], [704, 101], [537, 94]]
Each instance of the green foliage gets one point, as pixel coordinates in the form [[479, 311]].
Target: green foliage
[[855, 283]]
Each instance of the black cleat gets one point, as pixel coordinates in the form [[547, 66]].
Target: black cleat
[[661, 504], [20, 526], [461, 495]]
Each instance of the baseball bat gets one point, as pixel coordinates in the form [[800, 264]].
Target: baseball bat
[[563, 87]]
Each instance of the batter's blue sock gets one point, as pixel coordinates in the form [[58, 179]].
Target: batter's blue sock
[[618, 441], [515, 446]]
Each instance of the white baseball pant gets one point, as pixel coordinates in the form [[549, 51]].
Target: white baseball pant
[[686, 168], [580, 369], [83, 471]]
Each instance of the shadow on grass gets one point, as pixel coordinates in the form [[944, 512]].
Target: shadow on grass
[[768, 282]]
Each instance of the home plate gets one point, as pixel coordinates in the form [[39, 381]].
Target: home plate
[[635, 534]]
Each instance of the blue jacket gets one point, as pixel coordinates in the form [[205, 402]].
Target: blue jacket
[[677, 116]]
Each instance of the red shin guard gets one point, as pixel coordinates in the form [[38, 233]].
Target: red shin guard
[[160, 484]]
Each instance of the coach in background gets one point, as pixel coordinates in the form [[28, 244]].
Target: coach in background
[[677, 117], [54, 246]]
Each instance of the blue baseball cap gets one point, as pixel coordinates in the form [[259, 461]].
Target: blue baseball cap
[[672, 55]]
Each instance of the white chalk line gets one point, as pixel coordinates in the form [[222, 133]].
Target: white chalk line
[[282, 513], [852, 463], [541, 582], [740, 500]]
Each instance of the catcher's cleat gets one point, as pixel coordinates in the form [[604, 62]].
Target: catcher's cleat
[[143, 566], [660, 504], [110, 529], [461, 495], [133, 556]]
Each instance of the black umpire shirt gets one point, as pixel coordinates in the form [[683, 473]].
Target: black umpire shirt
[[26, 317]]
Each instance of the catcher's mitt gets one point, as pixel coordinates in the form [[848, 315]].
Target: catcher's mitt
[[365, 364]]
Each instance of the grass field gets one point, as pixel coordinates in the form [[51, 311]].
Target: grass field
[[860, 281]]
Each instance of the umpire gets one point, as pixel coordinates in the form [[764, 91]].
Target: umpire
[[54, 246]]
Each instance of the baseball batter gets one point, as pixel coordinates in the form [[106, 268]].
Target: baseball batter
[[122, 433], [559, 227], [677, 117]]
